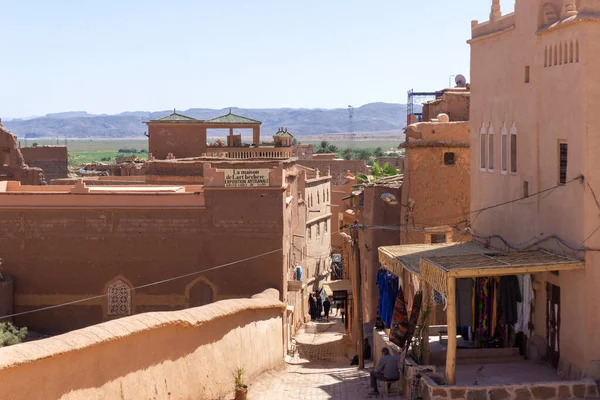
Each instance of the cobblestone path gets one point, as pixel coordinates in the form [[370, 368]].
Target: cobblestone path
[[320, 371]]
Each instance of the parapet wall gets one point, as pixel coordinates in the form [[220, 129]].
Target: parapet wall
[[52, 159], [338, 168], [187, 354]]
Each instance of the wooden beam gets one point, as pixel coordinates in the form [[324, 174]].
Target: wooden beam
[[451, 317], [514, 270]]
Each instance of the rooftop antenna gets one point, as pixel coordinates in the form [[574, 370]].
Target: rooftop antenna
[[461, 81]]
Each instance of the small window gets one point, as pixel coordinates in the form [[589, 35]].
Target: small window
[[119, 298], [513, 149], [525, 189], [319, 229], [325, 226], [318, 198], [309, 232], [527, 73], [563, 153], [491, 149], [438, 238], [504, 150], [482, 147], [449, 158]]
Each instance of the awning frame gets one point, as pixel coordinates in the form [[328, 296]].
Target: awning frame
[[441, 271]]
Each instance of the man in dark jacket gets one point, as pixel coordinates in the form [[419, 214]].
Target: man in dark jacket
[[319, 306], [327, 307], [387, 370]]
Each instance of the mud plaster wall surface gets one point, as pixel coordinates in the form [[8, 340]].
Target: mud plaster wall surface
[[375, 212], [455, 105], [59, 255], [12, 163], [52, 159], [188, 354], [181, 139], [441, 192]]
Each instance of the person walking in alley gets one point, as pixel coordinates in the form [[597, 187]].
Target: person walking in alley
[[342, 312], [327, 307], [312, 307], [319, 306], [387, 370]]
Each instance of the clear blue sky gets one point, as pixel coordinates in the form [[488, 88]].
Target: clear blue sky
[[111, 56]]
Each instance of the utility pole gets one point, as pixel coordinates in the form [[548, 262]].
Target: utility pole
[[359, 311]]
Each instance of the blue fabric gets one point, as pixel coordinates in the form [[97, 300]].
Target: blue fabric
[[388, 291]]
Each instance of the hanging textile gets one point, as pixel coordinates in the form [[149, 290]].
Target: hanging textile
[[388, 284], [510, 295], [400, 325], [414, 317], [485, 309], [524, 307]]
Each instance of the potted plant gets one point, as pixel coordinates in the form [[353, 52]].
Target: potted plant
[[241, 389]]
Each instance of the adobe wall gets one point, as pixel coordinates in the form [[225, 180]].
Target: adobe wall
[[393, 161], [181, 139], [52, 159], [12, 163], [338, 206], [338, 168], [557, 104], [375, 212], [59, 253], [180, 355], [454, 104], [440, 192]]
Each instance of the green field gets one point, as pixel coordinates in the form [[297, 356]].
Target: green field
[[82, 151], [385, 144]]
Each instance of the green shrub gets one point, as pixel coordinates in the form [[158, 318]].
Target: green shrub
[[131, 151], [10, 334]]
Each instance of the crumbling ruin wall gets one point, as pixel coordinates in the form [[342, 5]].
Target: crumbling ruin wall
[[52, 159], [12, 164]]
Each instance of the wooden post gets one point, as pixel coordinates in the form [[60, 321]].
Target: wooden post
[[358, 294], [451, 317]]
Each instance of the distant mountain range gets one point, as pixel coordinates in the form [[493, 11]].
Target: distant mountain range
[[370, 119]]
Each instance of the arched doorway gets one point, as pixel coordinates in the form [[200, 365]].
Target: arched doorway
[[201, 294]]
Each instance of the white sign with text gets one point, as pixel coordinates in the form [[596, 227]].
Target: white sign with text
[[247, 177]]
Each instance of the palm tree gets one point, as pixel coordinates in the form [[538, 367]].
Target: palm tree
[[347, 154], [323, 147]]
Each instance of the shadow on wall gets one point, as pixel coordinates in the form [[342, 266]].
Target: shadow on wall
[[176, 355]]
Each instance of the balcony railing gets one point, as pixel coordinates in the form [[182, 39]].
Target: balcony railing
[[249, 152]]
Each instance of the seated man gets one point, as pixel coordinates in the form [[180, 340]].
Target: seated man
[[387, 370]]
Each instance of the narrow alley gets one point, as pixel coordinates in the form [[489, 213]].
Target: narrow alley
[[321, 369]]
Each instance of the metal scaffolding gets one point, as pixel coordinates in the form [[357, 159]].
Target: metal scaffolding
[[418, 98]]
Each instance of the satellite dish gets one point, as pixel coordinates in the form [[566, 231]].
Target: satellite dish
[[461, 81]]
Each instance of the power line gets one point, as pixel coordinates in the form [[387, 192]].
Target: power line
[[141, 286], [480, 210]]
